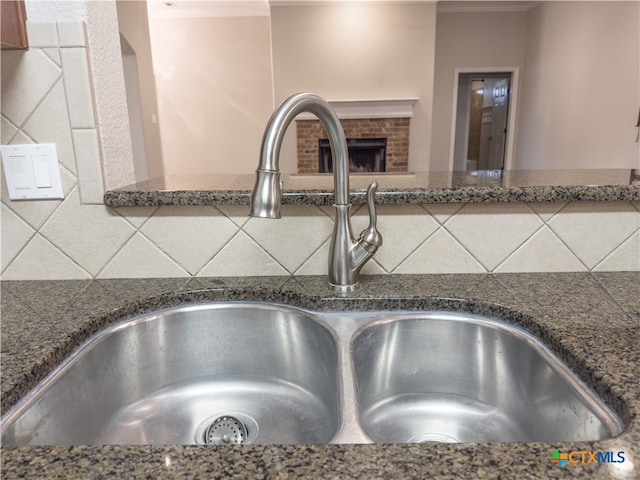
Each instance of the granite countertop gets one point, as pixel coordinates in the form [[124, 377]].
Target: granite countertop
[[590, 320], [396, 188]]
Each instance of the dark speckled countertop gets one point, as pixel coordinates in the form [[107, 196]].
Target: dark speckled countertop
[[590, 320], [395, 188]]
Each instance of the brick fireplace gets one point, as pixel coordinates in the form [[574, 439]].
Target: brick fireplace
[[386, 123], [394, 130]]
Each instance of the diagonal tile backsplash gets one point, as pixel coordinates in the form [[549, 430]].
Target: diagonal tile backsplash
[[404, 228], [20, 235], [190, 237], [202, 241], [293, 238], [80, 238], [492, 232], [88, 234], [30, 76], [140, 257], [243, 257], [39, 259], [543, 251], [578, 223], [618, 260], [440, 253]]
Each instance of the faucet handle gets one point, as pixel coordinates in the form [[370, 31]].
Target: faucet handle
[[370, 237]]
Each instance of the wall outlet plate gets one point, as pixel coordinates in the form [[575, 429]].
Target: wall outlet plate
[[32, 171]]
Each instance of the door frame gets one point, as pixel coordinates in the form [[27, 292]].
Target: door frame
[[512, 112]]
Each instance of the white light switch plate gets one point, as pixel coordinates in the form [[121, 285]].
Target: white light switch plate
[[32, 171]]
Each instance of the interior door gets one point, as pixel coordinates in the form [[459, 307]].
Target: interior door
[[497, 140]]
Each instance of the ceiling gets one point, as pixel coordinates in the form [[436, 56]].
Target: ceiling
[[225, 8]]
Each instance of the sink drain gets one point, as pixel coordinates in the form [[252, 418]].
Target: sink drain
[[228, 428]]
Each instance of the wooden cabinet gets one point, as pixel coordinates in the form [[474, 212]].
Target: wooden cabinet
[[13, 31]]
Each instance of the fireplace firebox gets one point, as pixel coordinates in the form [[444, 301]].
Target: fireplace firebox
[[365, 155]]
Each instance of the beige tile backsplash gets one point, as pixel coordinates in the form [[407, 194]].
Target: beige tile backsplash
[[79, 238]]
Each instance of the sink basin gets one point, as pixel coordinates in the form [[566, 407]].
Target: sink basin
[[208, 373], [252, 372], [455, 378]]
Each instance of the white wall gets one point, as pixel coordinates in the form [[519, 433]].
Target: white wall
[[581, 86], [468, 40], [357, 52], [215, 93], [134, 27]]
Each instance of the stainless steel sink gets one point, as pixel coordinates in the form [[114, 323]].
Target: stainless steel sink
[[250, 372], [187, 375], [459, 378]]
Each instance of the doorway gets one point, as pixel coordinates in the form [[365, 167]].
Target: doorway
[[484, 106]]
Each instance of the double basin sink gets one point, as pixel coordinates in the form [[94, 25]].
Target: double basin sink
[[251, 372]]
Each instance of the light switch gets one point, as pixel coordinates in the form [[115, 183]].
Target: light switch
[[18, 170], [41, 171], [32, 171]]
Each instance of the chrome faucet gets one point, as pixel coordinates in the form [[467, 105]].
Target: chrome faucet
[[347, 255]]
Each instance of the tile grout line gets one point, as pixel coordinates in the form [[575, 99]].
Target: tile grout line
[[637, 232], [552, 215], [264, 249], [420, 244], [21, 249], [40, 102], [219, 250], [542, 227], [444, 226], [229, 240], [48, 219], [607, 254], [221, 212], [460, 207], [525, 241], [486, 269], [117, 211], [135, 230], [566, 245], [63, 253], [13, 125], [327, 237], [441, 226]]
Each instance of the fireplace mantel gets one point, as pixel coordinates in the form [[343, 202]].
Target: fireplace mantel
[[380, 108]]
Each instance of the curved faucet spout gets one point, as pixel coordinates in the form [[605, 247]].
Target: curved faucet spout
[[347, 255], [278, 124]]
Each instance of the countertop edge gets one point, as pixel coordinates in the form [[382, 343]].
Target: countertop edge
[[593, 193]]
